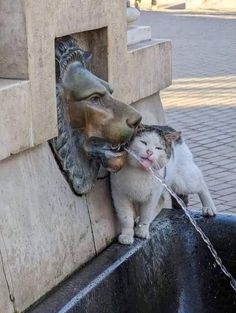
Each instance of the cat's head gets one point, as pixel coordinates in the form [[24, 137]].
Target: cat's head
[[152, 147]]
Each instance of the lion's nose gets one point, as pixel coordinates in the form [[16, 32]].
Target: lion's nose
[[134, 121]]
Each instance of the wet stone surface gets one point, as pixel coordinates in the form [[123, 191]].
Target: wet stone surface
[[171, 272]]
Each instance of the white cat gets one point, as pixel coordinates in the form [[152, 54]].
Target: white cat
[[136, 192]]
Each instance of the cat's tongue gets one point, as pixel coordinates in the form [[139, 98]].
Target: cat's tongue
[[146, 163]]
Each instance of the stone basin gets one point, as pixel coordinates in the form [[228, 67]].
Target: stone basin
[[172, 272]]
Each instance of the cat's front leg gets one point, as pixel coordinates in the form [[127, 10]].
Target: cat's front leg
[[147, 214], [208, 207], [141, 230], [125, 213]]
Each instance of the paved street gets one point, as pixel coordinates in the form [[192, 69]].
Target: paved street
[[202, 100]]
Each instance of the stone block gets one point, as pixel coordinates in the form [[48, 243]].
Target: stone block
[[136, 34], [13, 40], [15, 118], [150, 63], [45, 227]]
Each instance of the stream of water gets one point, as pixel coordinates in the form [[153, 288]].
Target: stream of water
[[195, 225]]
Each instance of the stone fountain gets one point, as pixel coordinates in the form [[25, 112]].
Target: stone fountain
[[47, 230], [171, 272]]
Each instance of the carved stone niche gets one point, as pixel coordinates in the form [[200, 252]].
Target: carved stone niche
[[93, 127]]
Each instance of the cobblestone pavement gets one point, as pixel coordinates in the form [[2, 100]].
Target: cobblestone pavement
[[202, 100]]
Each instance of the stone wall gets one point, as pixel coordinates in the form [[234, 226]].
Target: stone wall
[[46, 232]]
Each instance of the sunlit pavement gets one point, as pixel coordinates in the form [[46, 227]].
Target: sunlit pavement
[[202, 100]]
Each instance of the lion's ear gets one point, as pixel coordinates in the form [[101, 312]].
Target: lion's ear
[[173, 136], [88, 56]]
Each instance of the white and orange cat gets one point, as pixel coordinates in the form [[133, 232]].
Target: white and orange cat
[[136, 192]]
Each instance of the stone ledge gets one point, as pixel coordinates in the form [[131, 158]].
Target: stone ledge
[[147, 266], [136, 34], [149, 68], [15, 118], [10, 83], [143, 45]]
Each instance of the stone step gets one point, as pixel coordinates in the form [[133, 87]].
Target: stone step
[[136, 34], [146, 44]]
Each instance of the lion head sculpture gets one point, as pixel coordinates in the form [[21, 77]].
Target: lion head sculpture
[[92, 126]]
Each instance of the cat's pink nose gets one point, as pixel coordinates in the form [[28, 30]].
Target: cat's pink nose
[[149, 152]]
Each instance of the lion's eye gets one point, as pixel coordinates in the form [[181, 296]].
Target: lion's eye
[[95, 99], [159, 148], [144, 142]]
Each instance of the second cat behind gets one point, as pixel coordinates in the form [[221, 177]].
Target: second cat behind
[[136, 193]]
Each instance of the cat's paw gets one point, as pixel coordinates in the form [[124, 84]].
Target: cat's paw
[[142, 231], [208, 211], [126, 239]]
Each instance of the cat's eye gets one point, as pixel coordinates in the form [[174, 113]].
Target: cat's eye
[[159, 148], [144, 142]]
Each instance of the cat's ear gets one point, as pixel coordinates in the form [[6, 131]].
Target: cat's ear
[[173, 136]]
